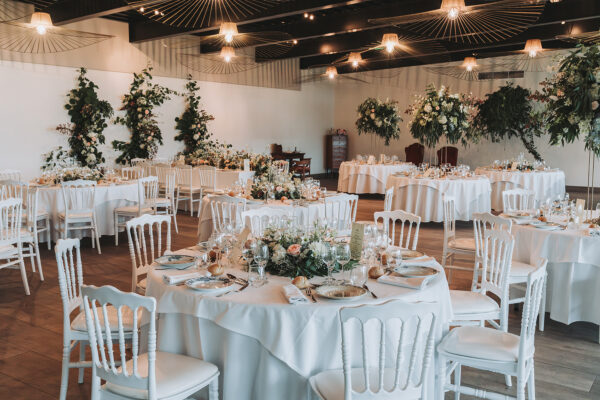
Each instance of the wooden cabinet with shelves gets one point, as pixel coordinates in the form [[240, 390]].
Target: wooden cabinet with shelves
[[336, 151]]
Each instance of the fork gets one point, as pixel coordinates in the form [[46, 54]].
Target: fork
[[309, 293]]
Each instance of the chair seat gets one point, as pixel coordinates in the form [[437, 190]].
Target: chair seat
[[77, 217], [520, 269], [466, 302], [26, 235], [78, 324], [8, 251], [330, 384], [482, 343], [463, 244], [187, 189], [162, 202], [132, 210], [175, 373]]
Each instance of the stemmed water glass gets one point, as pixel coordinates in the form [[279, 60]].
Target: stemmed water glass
[[342, 255], [261, 256], [329, 258]]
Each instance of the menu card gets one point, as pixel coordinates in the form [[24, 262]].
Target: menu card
[[356, 240], [236, 252]]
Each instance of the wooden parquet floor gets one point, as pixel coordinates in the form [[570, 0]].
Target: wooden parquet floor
[[567, 357]]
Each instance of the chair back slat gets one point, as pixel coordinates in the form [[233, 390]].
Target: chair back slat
[[518, 200], [10, 174], [144, 246], [147, 192], [10, 221], [407, 220], [101, 337], [531, 308], [225, 210], [449, 218], [482, 222], [258, 219], [185, 176], [207, 176], [79, 196], [14, 189], [70, 274], [340, 211], [496, 259], [415, 326], [132, 173], [388, 201]]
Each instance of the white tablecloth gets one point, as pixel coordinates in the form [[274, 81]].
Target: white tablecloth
[[545, 184], [423, 196], [308, 213], [227, 177], [364, 178], [106, 199], [265, 348], [573, 290]]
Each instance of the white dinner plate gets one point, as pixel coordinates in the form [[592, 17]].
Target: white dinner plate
[[417, 271], [549, 226], [176, 261], [518, 215], [341, 292], [210, 284]]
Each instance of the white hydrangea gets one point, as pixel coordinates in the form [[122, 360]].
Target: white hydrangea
[[279, 253], [317, 248]]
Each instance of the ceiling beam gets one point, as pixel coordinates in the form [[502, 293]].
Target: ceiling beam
[[69, 11]]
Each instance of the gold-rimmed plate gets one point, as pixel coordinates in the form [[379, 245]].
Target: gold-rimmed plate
[[416, 271], [341, 292], [409, 254], [210, 285]]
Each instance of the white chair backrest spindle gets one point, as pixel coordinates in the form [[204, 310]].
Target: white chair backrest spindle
[[226, 209], [185, 176], [340, 211], [10, 174], [531, 308], [449, 218], [388, 201], [258, 219], [10, 221], [496, 259], [207, 177], [132, 173], [147, 192], [14, 189], [145, 236], [482, 222], [79, 196], [518, 200], [70, 275], [407, 220], [162, 172], [112, 365], [413, 325]]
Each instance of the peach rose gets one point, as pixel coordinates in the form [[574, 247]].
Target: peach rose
[[294, 249]]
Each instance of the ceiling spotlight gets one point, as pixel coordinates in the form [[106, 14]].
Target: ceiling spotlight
[[390, 41], [453, 8], [41, 21], [331, 72], [294, 41], [311, 17], [562, 22], [142, 9], [156, 12], [470, 63], [533, 47], [354, 58], [228, 30], [227, 52], [305, 15]]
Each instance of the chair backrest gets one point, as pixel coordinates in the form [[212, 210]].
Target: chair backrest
[[449, 218], [389, 197], [412, 326], [389, 220], [415, 153], [185, 176], [531, 308], [340, 211], [226, 209], [282, 165], [147, 192], [208, 176], [32, 207], [70, 277], [447, 155], [482, 222], [518, 200], [496, 259], [169, 183], [162, 172], [14, 189], [258, 219], [78, 196], [132, 173], [138, 161], [10, 221], [144, 235], [112, 367], [10, 174]]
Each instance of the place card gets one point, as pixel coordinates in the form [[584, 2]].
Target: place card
[[246, 165], [236, 252], [356, 240], [428, 173], [514, 166]]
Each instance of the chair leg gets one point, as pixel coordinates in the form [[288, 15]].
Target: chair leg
[[531, 384], [542, 316], [508, 380], [213, 389], [441, 377], [81, 359], [48, 234], [457, 373], [64, 379], [23, 272], [116, 229], [37, 255], [475, 277], [31, 256], [96, 234], [520, 389]]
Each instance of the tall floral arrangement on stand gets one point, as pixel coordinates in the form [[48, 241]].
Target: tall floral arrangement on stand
[[88, 120], [439, 114], [380, 118], [192, 125], [140, 119], [509, 113]]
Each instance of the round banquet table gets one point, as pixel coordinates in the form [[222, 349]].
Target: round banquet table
[[226, 178], [360, 178], [107, 198], [545, 184], [423, 196], [309, 212], [265, 348], [573, 288]]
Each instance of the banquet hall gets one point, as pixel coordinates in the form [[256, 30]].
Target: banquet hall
[[300, 199]]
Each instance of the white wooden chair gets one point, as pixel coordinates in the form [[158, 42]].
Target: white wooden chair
[[10, 174], [70, 280], [405, 375], [11, 247], [135, 375], [132, 173], [14, 189], [482, 222], [389, 198], [30, 232], [166, 205], [258, 219], [80, 212], [452, 244], [518, 200], [34, 218], [340, 212], [226, 209], [492, 350], [186, 190], [147, 195], [207, 178], [145, 237], [388, 219], [138, 161]]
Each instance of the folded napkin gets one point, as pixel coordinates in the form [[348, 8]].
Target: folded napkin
[[424, 260], [174, 279], [517, 221], [411, 283], [293, 295], [184, 252]]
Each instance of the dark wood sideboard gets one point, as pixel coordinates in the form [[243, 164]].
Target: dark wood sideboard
[[336, 151]]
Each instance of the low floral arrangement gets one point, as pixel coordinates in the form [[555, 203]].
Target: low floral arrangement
[[519, 166], [338, 131], [275, 185], [58, 175], [439, 114], [293, 253], [221, 156], [380, 118]]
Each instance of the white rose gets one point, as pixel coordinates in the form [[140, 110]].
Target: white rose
[[317, 248], [196, 136], [279, 253], [372, 115], [91, 158], [427, 108], [442, 119]]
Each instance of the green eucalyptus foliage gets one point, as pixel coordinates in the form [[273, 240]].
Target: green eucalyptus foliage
[[379, 118], [508, 113], [88, 120], [193, 123], [139, 118]]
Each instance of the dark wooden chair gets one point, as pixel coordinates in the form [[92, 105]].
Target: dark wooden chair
[[448, 155], [415, 153], [301, 167], [277, 151]]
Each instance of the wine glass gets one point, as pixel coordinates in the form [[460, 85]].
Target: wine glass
[[342, 255], [261, 256], [359, 275], [328, 256]]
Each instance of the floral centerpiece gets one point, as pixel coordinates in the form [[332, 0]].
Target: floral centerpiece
[[380, 118], [65, 174], [294, 253], [275, 185], [439, 114], [220, 156], [572, 99]]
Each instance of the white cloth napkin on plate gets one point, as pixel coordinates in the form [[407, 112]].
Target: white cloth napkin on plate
[[424, 260], [517, 221], [174, 279], [293, 295], [411, 283], [184, 252]]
